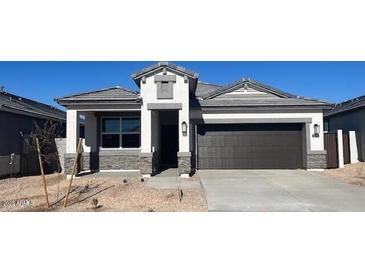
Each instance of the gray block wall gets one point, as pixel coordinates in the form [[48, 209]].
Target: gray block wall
[[61, 150], [146, 163], [69, 161], [119, 162], [184, 162], [316, 160], [105, 160]]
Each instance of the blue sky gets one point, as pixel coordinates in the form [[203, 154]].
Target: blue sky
[[43, 81]]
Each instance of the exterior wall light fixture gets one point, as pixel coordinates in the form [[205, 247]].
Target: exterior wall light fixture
[[317, 130], [184, 128]]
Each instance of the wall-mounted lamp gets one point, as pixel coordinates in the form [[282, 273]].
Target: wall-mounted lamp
[[317, 130], [184, 128]]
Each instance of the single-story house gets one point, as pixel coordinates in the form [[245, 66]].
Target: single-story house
[[17, 118], [349, 116], [174, 120]]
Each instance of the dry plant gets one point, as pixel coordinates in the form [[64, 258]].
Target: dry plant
[[361, 171], [46, 136]]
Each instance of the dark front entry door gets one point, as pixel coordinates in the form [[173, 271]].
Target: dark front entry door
[[169, 145]]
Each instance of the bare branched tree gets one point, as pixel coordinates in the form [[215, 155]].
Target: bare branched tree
[[46, 137]]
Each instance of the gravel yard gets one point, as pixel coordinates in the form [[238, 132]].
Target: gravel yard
[[112, 194], [353, 173]]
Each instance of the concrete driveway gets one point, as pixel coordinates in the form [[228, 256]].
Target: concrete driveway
[[279, 190]]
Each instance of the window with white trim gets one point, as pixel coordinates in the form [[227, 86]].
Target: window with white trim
[[120, 132]]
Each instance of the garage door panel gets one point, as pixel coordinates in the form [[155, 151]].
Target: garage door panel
[[250, 146]]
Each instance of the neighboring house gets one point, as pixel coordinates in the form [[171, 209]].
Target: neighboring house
[[17, 117], [349, 115], [176, 121]]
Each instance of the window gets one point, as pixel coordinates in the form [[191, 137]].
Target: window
[[120, 132], [165, 88]]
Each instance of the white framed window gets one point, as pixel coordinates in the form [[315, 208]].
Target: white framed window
[[120, 132]]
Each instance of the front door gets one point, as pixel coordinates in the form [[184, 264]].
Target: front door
[[169, 146]]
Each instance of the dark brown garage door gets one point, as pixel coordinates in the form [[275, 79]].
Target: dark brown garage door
[[250, 146]]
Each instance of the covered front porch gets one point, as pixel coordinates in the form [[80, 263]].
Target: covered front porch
[[112, 140]]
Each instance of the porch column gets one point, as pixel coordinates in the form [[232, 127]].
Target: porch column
[[72, 136], [89, 156], [146, 121], [184, 154], [146, 154], [90, 132], [184, 137], [72, 130]]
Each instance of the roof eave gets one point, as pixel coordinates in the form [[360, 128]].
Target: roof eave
[[299, 107], [31, 113], [98, 102], [72, 96], [334, 111]]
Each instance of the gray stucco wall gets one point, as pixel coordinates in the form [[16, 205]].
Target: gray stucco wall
[[6, 168], [11, 127], [351, 120], [11, 140]]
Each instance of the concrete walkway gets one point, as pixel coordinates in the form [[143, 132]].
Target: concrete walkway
[[168, 179], [279, 190]]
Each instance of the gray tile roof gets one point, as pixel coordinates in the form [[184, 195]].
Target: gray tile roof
[[256, 102], [204, 89], [106, 94], [348, 105], [13, 103], [249, 82], [220, 96], [139, 74], [202, 94]]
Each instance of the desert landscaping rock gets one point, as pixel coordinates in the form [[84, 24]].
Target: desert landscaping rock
[[111, 193], [353, 173]]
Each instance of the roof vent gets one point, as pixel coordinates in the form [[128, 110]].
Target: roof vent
[[2, 89]]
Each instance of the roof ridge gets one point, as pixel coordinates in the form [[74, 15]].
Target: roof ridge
[[253, 81], [277, 91], [136, 75], [286, 93], [347, 105], [353, 100]]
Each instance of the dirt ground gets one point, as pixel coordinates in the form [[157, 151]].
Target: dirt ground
[[112, 194], [352, 173]]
